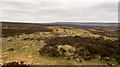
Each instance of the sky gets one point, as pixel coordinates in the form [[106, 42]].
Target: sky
[[59, 10]]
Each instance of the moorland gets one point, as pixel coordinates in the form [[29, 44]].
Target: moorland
[[55, 44]]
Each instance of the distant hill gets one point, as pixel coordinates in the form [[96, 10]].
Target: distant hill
[[73, 23], [85, 23]]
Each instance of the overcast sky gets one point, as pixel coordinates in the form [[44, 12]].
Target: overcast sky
[[59, 10]]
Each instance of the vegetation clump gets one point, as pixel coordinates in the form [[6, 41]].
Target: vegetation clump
[[85, 48], [14, 64], [49, 51], [10, 49]]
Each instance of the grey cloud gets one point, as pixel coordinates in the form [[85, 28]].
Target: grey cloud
[[59, 11], [107, 6]]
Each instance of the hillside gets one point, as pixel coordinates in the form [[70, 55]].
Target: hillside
[[44, 44]]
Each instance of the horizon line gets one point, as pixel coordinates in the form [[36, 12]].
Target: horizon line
[[62, 22]]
